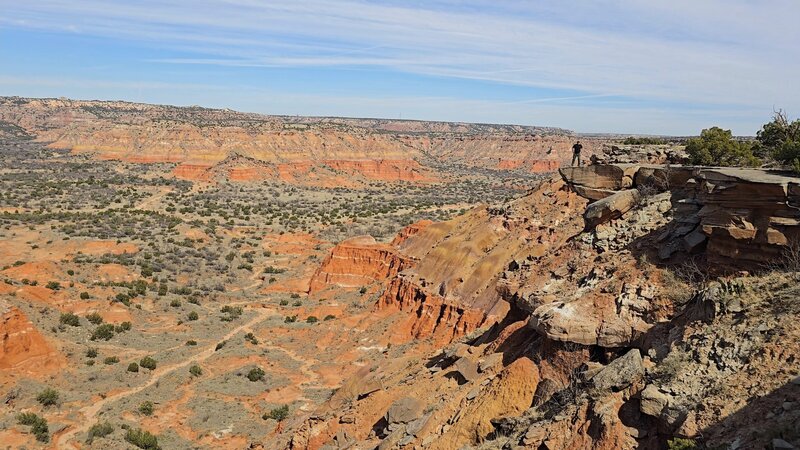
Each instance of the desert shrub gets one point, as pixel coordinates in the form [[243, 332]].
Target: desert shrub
[[284, 302], [104, 331], [69, 319], [297, 303], [91, 353], [273, 270], [290, 319], [85, 296], [38, 425], [47, 397], [124, 326], [220, 346], [631, 140], [111, 360], [53, 285], [295, 295], [251, 338], [329, 317], [99, 430], [142, 439], [312, 319], [94, 318], [681, 444], [256, 374], [363, 290], [716, 147], [175, 303], [191, 342], [148, 363], [195, 370], [133, 367], [193, 315], [146, 408], [780, 139], [279, 414]]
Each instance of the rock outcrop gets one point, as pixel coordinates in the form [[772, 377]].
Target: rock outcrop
[[357, 262], [22, 344]]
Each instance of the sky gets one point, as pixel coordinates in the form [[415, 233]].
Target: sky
[[617, 66]]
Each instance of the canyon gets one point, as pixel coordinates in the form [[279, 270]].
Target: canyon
[[217, 279]]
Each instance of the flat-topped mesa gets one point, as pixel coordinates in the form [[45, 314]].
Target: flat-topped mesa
[[745, 217]]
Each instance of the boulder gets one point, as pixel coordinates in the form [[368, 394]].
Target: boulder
[[607, 176], [621, 373], [404, 410], [467, 368], [545, 390], [611, 207], [652, 401]]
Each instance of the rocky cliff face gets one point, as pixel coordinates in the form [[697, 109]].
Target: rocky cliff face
[[357, 262], [287, 148], [573, 327], [23, 349]]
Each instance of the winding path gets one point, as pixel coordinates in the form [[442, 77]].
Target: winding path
[[62, 440]]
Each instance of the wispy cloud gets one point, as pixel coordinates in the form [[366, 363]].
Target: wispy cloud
[[714, 52]]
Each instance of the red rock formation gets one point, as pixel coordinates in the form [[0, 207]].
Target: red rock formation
[[193, 172], [382, 169], [409, 231], [431, 315], [357, 262], [21, 341]]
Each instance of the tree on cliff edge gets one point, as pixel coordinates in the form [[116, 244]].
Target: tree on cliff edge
[[780, 139], [716, 147]]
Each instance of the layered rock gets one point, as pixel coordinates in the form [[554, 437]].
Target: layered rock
[[742, 216], [357, 262], [22, 343]]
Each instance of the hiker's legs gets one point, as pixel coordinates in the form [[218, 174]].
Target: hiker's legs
[[576, 157]]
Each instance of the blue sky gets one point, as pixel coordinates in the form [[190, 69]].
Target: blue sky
[[628, 66]]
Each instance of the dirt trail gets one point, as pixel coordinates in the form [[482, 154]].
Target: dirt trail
[[154, 199], [89, 412]]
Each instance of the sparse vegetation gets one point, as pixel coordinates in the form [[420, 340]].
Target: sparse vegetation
[[279, 414], [133, 367], [104, 332], [69, 319], [48, 397], [94, 318], [111, 360], [142, 439], [195, 370], [256, 374], [148, 363], [146, 408], [717, 147], [99, 430], [38, 425]]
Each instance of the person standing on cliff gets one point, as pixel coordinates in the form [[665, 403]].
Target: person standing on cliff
[[576, 153]]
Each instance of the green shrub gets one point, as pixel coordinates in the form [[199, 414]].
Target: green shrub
[[329, 317], [644, 141], [99, 430], [220, 345], [47, 397], [91, 353], [85, 296], [193, 315], [256, 374], [284, 302], [780, 139], [38, 425], [681, 444], [111, 360], [146, 408], [175, 303], [148, 363], [104, 331], [312, 319], [94, 318], [70, 319], [290, 319], [133, 367], [295, 295], [363, 290], [191, 342], [279, 414], [53, 285], [716, 147], [142, 439], [124, 326], [195, 370]]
